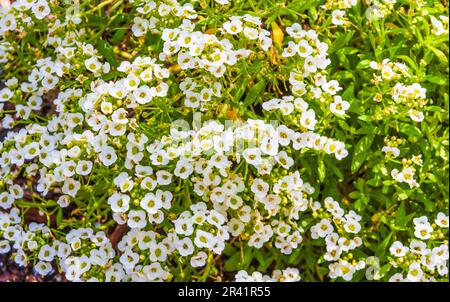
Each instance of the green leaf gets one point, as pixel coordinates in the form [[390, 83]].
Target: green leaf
[[59, 215], [340, 41], [354, 195], [187, 194], [111, 75], [381, 249], [118, 35], [152, 39], [364, 64], [294, 258], [439, 54], [232, 263], [438, 80], [337, 172], [255, 92], [385, 268], [360, 152], [348, 93], [260, 257], [240, 91], [97, 21], [401, 215], [409, 61], [229, 250], [105, 49], [294, 8], [31, 37], [321, 169], [410, 130], [343, 74], [310, 258], [248, 257]]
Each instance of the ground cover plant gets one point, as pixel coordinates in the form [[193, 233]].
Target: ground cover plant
[[225, 140]]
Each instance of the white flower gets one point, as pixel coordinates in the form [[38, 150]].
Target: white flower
[[233, 27], [442, 220], [120, 116], [331, 87], [163, 177], [345, 270], [223, 2], [63, 201], [71, 187], [158, 252], [337, 17], [398, 249], [259, 187], [119, 202], [5, 246], [43, 268], [124, 182], [323, 228], [84, 167], [46, 253], [269, 145], [416, 115], [339, 106], [183, 169], [284, 160], [185, 247], [352, 226], [93, 65], [308, 119], [183, 227], [415, 273], [204, 239], [290, 50], [8, 23], [304, 49], [423, 231], [131, 82], [199, 260], [251, 33], [31, 150], [252, 155], [108, 156], [129, 259], [295, 30], [438, 28], [235, 227], [137, 219], [40, 9], [140, 26], [16, 191], [5, 94], [396, 278], [284, 135], [151, 203], [68, 168], [417, 247], [391, 151]]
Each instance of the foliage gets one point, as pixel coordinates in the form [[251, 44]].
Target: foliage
[[225, 140]]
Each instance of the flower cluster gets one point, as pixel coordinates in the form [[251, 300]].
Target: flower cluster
[[178, 140], [339, 8], [409, 98], [286, 275], [420, 260], [407, 173], [380, 9]]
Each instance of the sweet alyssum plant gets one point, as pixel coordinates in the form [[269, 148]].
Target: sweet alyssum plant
[[225, 140]]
